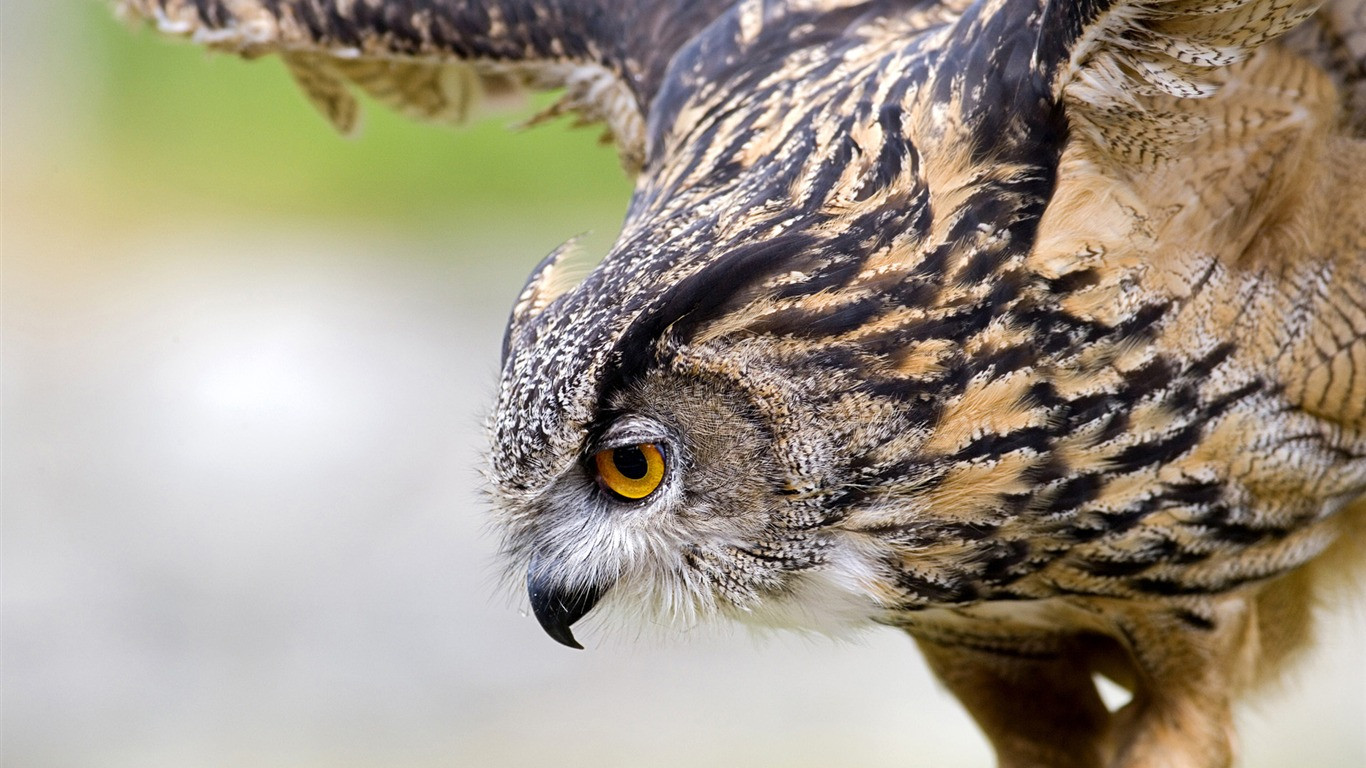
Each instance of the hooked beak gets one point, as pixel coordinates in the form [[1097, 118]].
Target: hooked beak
[[557, 607]]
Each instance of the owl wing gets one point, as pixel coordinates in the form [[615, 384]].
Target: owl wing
[[1112, 62], [439, 60], [1250, 152]]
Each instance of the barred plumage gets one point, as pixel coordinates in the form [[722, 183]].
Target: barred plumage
[[1036, 328]]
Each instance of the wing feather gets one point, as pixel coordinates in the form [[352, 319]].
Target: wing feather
[[1107, 57], [1240, 158], [448, 61]]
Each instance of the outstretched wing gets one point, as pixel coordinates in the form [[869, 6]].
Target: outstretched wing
[[437, 60]]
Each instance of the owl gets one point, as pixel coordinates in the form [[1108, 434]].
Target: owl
[[1033, 328]]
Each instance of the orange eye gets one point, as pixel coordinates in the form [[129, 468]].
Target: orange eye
[[632, 471]]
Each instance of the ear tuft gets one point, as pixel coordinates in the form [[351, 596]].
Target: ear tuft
[[547, 282]]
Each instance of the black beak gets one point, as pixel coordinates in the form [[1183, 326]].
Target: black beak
[[557, 607]]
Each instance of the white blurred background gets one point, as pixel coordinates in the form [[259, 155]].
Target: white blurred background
[[245, 366]]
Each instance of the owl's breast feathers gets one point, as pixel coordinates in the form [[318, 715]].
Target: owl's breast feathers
[[990, 282]]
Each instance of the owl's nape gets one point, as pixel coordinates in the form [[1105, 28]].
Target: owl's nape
[[1034, 328]]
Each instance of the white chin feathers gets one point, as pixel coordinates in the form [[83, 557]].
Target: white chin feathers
[[833, 600]]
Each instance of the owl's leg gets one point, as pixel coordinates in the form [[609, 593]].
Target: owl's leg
[[1038, 707], [1186, 676]]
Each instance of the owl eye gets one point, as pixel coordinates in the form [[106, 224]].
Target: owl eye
[[631, 471]]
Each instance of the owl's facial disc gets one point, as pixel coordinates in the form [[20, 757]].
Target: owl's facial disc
[[624, 471]]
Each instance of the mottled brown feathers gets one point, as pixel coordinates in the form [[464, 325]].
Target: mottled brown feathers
[[1035, 327]]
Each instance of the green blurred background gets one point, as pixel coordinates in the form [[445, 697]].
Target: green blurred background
[[245, 366]]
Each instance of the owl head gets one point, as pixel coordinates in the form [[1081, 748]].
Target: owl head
[[694, 478]]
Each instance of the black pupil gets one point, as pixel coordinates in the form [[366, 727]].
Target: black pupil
[[631, 462]]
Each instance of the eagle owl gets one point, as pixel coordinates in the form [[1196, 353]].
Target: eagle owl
[[1035, 328]]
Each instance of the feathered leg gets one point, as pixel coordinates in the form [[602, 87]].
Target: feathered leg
[[1038, 708], [1186, 676]]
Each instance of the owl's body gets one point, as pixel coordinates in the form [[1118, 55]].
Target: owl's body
[[1037, 329]]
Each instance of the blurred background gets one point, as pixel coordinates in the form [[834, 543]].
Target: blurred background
[[245, 367]]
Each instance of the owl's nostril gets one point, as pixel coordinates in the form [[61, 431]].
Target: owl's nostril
[[558, 607]]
